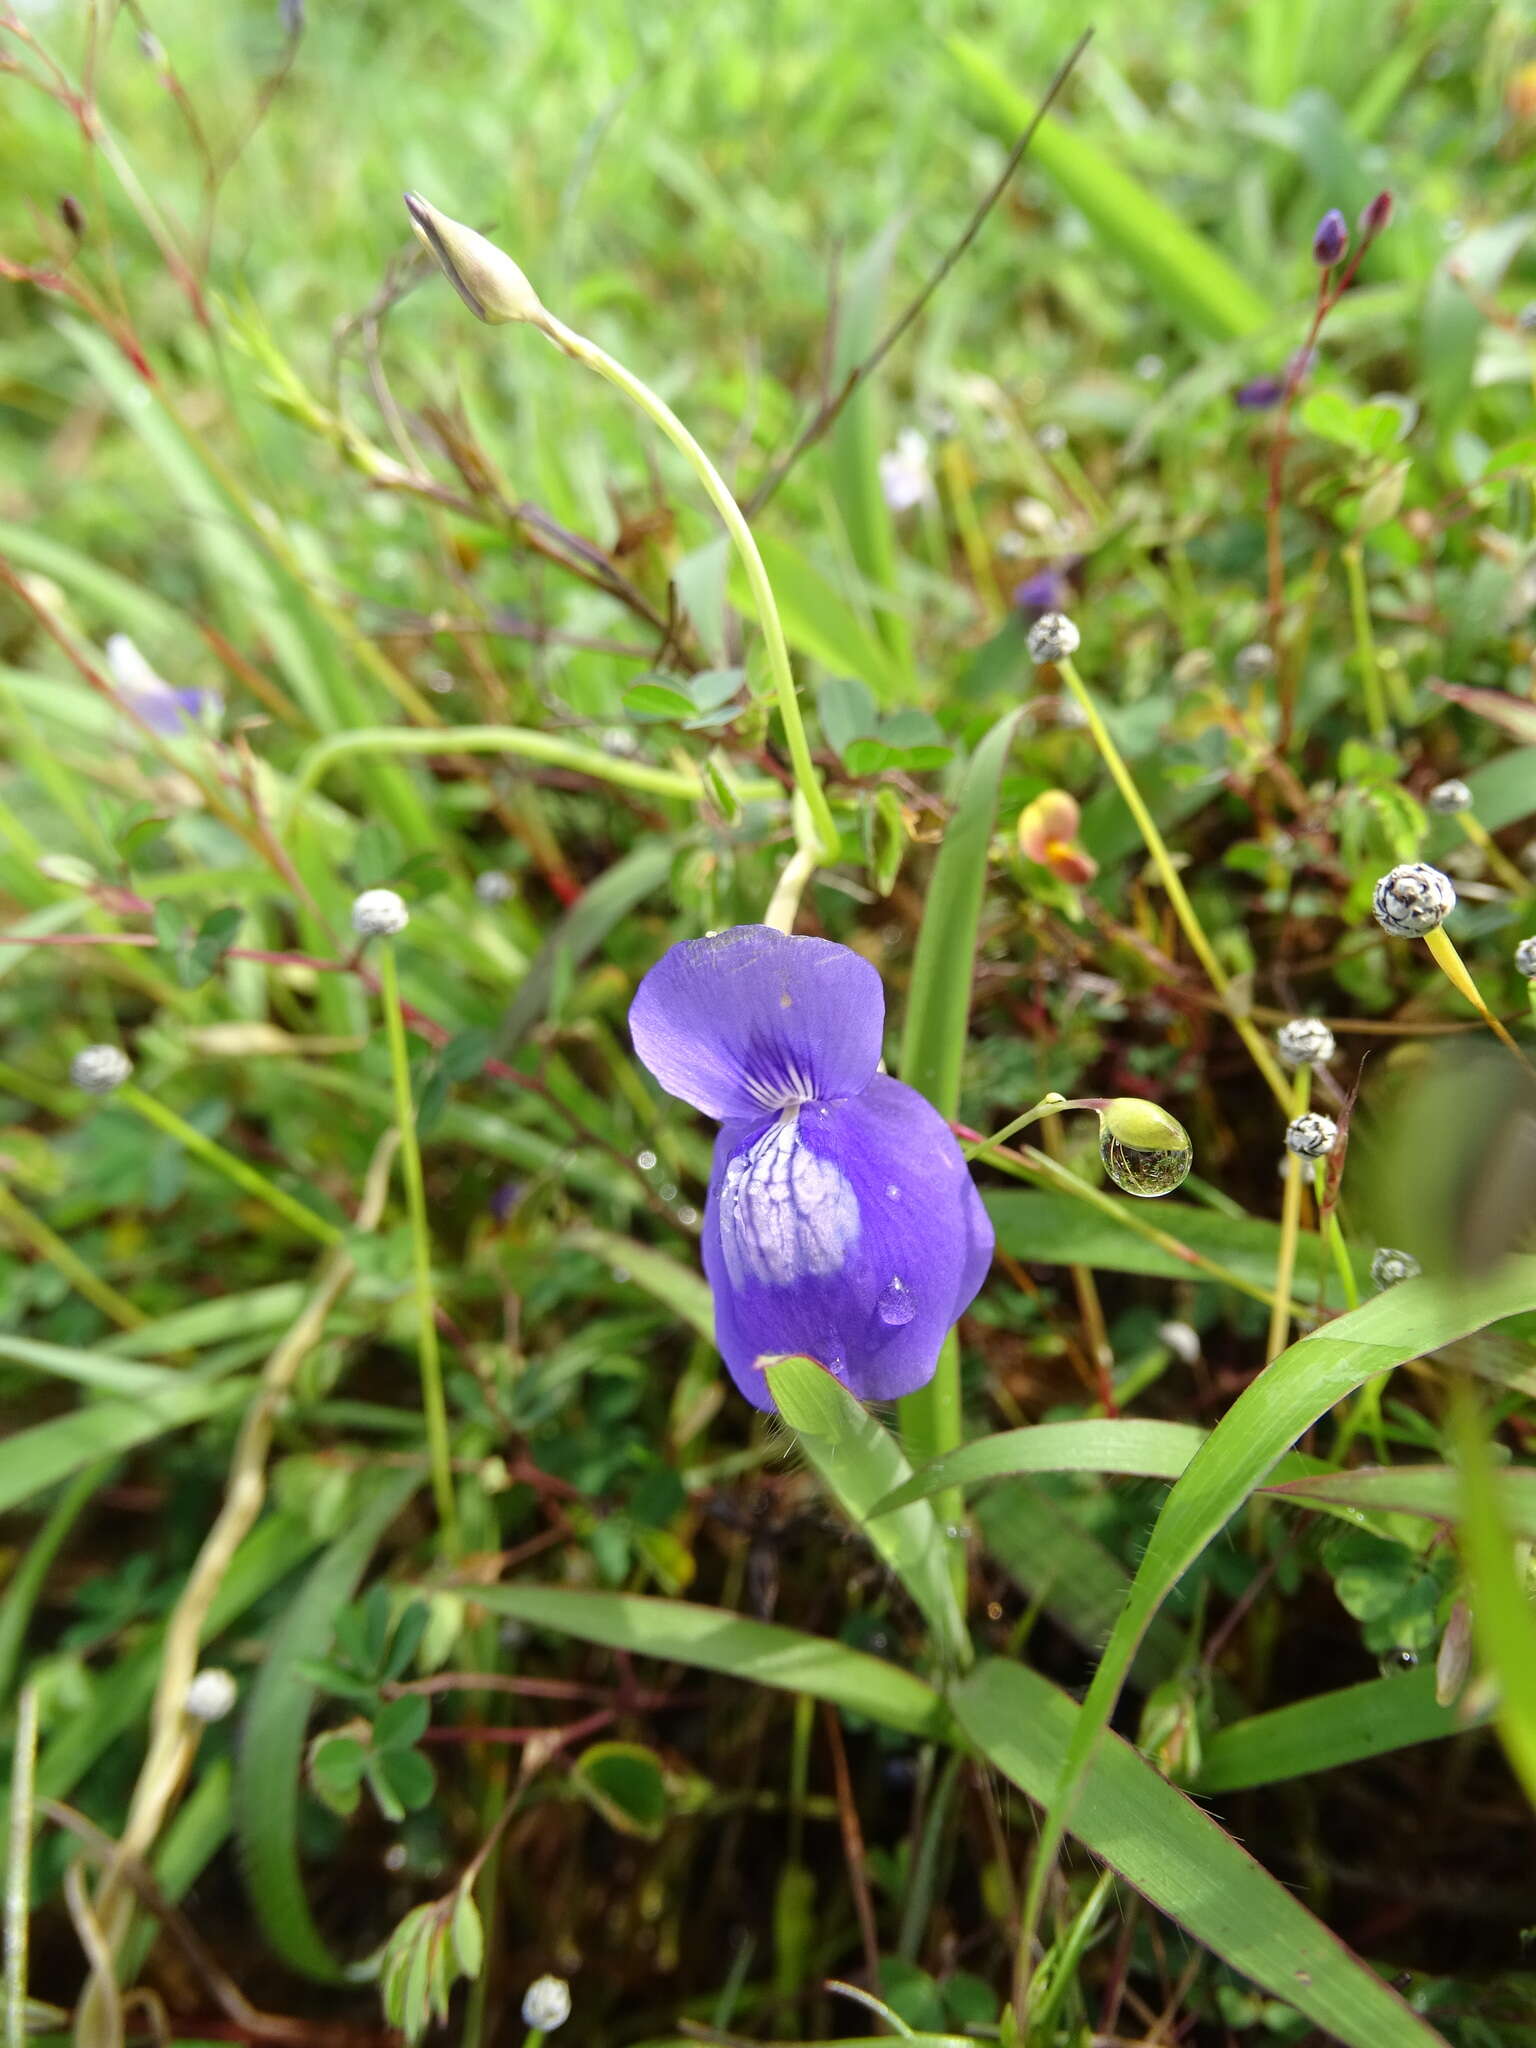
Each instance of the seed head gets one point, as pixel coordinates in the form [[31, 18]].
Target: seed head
[[485, 277], [547, 2004], [98, 1069], [379, 914], [1053, 638], [1253, 662], [1331, 238], [1312, 1136], [1525, 959], [1389, 1266], [1305, 1042], [494, 886], [211, 1694], [1413, 900], [1448, 799]]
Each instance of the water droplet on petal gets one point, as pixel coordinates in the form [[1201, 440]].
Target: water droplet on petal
[[896, 1305], [1145, 1151], [893, 1193]]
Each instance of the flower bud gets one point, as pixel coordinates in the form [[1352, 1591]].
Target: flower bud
[[98, 1069], [1447, 799], [1305, 1042], [1375, 216], [1312, 1136], [379, 914], [211, 1694], [546, 2004], [1412, 900], [1388, 1267], [1331, 238], [1053, 638], [1525, 959], [485, 277]]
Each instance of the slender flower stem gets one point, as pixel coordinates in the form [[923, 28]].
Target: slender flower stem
[[434, 1406], [1455, 970], [784, 904], [1499, 862], [657, 410], [244, 1176], [18, 1868], [32, 1230], [1048, 1105], [1333, 1230], [1290, 1229], [1183, 909], [1365, 644]]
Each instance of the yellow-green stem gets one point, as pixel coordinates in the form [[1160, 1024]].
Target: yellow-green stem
[[657, 410], [1365, 645], [18, 1868], [244, 1176], [33, 1231], [1290, 1230], [1456, 972], [1499, 862], [1183, 909], [434, 1406]]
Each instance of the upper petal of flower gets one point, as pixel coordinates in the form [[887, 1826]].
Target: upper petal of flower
[[752, 1020], [849, 1232]]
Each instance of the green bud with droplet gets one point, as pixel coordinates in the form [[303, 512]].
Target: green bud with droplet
[[1145, 1150]]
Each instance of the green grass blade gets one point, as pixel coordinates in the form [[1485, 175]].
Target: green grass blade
[[1183, 1862], [859, 1461], [1148, 1450], [657, 1274], [933, 1039], [583, 928], [26, 1581], [1192, 279], [758, 1652], [1503, 1625], [1434, 1491], [1286, 1399], [817, 621], [1342, 1727], [268, 1781], [37, 1458]]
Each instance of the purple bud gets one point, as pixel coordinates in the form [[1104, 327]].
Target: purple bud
[[1045, 591], [1259, 394], [1331, 239], [1376, 215], [505, 1198]]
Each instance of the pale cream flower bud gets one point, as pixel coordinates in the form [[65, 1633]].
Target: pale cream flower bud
[[485, 277]]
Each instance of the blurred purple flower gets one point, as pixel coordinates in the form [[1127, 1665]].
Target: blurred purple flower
[[1330, 238], [1045, 591], [841, 1224], [163, 708], [504, 1199], [1259, 394]]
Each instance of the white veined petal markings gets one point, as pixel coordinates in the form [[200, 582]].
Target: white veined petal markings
[[786, 1214]]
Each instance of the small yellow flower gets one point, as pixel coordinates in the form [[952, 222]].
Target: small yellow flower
[[1048, 835]]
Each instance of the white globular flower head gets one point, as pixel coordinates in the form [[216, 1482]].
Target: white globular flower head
[[1525, 959], [1388, 1266], [1252, 663], [1053, 638], [1449, 799], [1182, 1339], [98, 1069], [1413, 900], [211, 1694], [494, 886], [1311, 1136], [546, 2004], [1305, 1042], [379, 914]]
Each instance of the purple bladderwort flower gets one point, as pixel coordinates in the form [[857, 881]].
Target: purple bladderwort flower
[[163, 708], [1045, 591], [1330, 238], [1259, 394], [842, 1224]]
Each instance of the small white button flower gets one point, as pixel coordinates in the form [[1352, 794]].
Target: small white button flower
[[1252, 663], [211, 1694], [493, 886], [1413, 900], [1182, 1339], [1525, 959], [379, 914], [546, 2004], [98, 1069], [1053, 638], [904, 476], [1312, 1136], [1388, 1267], [1446, 799], [1305, 1042]]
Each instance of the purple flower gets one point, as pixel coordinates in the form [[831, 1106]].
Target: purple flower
[[1330, 239], [842, 1224], [1045, 591], [1259, 394], [163, 708]]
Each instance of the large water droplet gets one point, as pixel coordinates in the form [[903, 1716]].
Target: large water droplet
[[896, 1305], [1145, 1151]]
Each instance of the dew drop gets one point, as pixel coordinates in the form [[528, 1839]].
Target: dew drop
[[896, 1305], [893, 1193], [645, 1161], [1145, 1151]]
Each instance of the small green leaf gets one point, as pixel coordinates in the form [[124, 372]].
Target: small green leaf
[[625, 1783], [468, 1934], [401, 1722], [656, 699], [337, 1764], [409, 1775]]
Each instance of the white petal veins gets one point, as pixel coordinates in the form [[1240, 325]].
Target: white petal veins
[[785, 1213]]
